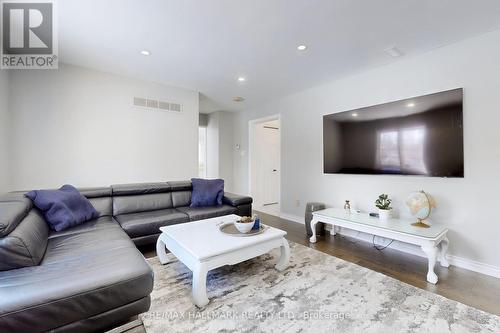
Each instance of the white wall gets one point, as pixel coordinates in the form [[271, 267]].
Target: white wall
[[78, 126], [220, 147], [4, 131], [226, 149], [468, 206], [213, 145]]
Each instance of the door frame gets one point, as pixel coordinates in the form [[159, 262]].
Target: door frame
[[251, 136]]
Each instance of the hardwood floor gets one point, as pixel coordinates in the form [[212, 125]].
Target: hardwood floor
[[474, 289], [471, 288]]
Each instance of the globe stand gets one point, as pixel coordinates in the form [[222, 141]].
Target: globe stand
[[420, 224]]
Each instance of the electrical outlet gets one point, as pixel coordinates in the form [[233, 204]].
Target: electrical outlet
[[297, 203]]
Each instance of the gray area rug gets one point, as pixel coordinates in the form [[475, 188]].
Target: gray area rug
[[317, 293]]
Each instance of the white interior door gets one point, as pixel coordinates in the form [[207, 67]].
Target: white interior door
[[267, 158], [272, 172]]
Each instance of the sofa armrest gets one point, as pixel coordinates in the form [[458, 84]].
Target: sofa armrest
[[235, 199]]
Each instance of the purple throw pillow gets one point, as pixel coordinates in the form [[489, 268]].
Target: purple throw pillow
[[63, 208], [207, 192]]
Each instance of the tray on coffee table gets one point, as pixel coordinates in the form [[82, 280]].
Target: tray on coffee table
[[230, 229]]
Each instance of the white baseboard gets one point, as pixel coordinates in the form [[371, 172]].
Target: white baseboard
[[461, 262], [475, 266], [293, 218]]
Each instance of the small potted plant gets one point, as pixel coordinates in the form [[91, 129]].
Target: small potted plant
[[383, 203]]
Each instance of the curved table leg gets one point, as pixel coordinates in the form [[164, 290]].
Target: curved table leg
[[161, 251], [200, 285], [443, 249], [313, 229], [431, 251], [285, 256]]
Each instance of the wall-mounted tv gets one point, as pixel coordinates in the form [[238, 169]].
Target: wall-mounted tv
[[416, 136]]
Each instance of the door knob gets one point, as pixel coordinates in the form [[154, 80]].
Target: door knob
[[274, 170]]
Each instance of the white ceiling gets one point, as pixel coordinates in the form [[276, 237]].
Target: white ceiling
[[204, 45]]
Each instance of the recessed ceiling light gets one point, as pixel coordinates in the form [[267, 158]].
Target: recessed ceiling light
[[145, 52], [238, 99], [394, 52], [242, 79], [410, 105], [354, 114], [302, 47]]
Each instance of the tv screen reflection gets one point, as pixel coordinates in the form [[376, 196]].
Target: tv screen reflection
[[418, 136]]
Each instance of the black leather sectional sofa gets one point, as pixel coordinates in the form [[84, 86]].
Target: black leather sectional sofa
[[90, 277]]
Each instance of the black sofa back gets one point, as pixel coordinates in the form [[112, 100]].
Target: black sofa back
[[141, 209]]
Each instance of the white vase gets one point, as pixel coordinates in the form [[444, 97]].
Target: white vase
[[383, 214]]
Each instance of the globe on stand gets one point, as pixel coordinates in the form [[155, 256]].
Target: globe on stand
[[420, 205]]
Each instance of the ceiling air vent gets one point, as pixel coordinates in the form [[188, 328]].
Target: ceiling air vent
[[140, 101], [152, 104], [155, 104], [163, 105], [175, 107]]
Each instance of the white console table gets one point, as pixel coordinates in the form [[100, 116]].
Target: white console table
[[432, 241]]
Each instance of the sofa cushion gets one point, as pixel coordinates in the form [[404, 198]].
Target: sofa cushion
[[26, 244], [200, 213], [99, 223], [63, 208], [12, 212], [207, 192], [181, 198], [180, 185], [181, 192], [103, 205], [141, 203], [100, 198], [82, 275], [140, 188], [95, 192], [149, 223]]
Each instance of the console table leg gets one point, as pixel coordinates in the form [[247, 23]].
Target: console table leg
[[161, 251], [431, 251], [313, 228], [285, 256], [443, 249], [332, 230], [200, 286]]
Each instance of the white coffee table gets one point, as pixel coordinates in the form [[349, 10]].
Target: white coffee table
[[201, 246]]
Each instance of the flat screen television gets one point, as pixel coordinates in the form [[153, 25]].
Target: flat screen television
[[416, 136]]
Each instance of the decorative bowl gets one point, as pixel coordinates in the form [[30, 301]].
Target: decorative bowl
[[244, 226]]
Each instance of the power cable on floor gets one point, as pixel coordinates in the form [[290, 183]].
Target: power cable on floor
[[380, 248]]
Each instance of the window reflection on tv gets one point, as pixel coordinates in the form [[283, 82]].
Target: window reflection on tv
[[416, 136]]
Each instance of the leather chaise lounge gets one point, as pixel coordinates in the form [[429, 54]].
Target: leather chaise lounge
[[90, 277]]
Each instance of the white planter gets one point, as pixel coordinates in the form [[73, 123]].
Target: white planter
[[383, 214]]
